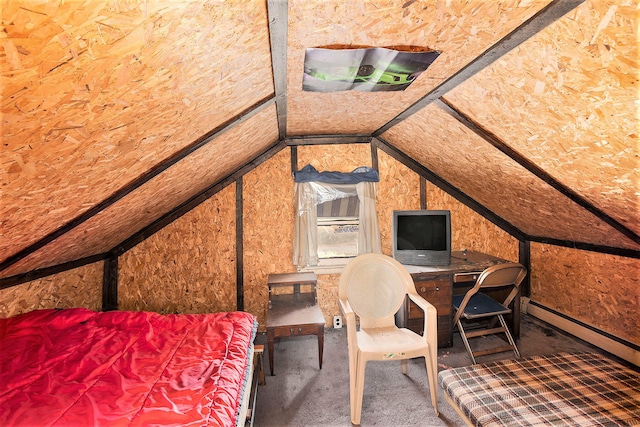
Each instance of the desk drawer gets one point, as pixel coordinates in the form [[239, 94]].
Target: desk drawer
[[289, 331], [437, 292], [471, 276]]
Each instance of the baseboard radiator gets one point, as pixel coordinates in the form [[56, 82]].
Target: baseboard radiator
[[614, 345]]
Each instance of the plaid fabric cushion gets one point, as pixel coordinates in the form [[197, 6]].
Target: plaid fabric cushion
[[583, 389]]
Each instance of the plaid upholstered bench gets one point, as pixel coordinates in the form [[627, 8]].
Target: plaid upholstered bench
[[582, 389]]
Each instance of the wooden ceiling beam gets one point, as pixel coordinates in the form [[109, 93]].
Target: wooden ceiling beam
[[7, 282], [447, 187], [194, 201], [278, 14], [138, 182], [327, 139], [545, 17], [602, 249], [534, 169]]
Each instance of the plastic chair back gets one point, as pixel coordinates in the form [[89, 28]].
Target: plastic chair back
[[375, 286]]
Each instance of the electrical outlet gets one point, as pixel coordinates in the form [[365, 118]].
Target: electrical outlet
[[337, 322]]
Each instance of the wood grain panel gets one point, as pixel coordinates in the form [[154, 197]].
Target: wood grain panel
[[443, 145], [567, 100], [174, 186], [79, 287], [398, 189], [187, 267], [334, 157], [600, 290], [461, 30], [471, 231], [96, 93]]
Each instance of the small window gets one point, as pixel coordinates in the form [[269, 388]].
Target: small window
[[335, 218], [338, 237], [338, 226]]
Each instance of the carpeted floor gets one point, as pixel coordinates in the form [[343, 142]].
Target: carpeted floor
[[300, 394]]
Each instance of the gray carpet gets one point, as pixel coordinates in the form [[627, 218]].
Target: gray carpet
[[300, 394]]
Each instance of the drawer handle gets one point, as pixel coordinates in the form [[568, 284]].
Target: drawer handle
[[437, 288], [291, 330], [423, 289], [299, 329]]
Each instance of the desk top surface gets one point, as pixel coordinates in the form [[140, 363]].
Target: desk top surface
[[292, 309], [461, 261]]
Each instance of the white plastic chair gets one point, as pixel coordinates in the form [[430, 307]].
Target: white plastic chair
[[372, 288]]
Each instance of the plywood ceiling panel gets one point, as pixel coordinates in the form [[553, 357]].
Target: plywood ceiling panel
[[567, 100], [441, 144], [338, 157], [187, 178], [461, 30], [97, 93]]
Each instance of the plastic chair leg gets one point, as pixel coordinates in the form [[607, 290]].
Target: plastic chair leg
[[352, 384], [432, 372], [359, 392], [404, 366]]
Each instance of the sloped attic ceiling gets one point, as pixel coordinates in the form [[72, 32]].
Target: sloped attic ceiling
[[116, 113]]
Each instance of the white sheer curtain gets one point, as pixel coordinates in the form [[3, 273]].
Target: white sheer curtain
[[309, 194], [369, 231], [305, 231]]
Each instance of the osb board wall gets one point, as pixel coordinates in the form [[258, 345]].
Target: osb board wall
[[461, 30], [598, 289], [443, 145], [328, 297], [334, 157], [472, 231], [567, 100], [193, 174], [96, 93], [398, 189], [187, 267], [267, 224], [79, 287]]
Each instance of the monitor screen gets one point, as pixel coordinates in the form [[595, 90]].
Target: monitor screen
[[422, 232]]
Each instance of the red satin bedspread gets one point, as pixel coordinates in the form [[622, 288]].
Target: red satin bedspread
[[77, 367]]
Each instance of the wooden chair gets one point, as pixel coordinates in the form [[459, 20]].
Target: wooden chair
[[372, 288], [478, 306]]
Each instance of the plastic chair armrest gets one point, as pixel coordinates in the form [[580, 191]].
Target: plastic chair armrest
[[424, 305], [430, 318], [352, 340], [348, 313]]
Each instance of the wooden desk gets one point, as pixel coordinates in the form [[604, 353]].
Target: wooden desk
[[438, 284], [296, 313]]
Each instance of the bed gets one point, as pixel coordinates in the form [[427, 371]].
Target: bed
[[567, 389], [77, 367]]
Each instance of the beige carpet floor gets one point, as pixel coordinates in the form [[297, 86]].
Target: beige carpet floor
[[301, 394]]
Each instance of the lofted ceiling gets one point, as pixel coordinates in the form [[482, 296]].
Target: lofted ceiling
[[118, 116]]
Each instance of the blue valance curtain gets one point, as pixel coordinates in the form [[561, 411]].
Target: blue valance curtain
[[361, 174]]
